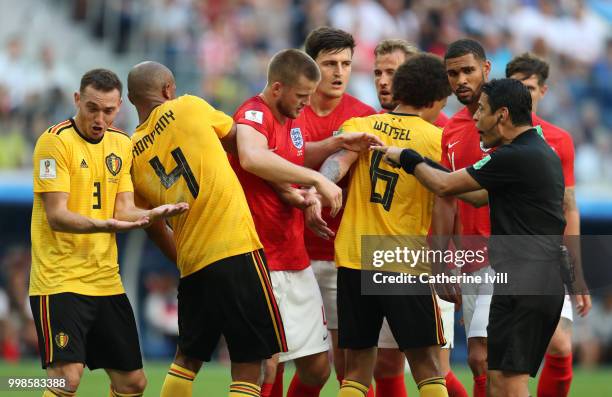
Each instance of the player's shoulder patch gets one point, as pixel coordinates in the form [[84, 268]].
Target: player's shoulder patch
[[256, 116], [47, 168]]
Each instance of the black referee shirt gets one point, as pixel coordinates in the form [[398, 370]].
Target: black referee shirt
[[525, 183]]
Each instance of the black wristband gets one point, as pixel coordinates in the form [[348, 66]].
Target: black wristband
[[436, 165], [409, 159]]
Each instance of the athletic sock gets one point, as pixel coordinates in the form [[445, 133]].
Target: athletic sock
[[53, 392], [394, 386], [178, 382], [277, 387], [556, 376], [351, 388], [244, 389], [299, 389], [480, 385], [453, 386], [433, 387], [114, 393], [266, 389]]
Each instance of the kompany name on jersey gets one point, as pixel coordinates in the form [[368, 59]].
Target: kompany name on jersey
[[254, 115], [48, 169]]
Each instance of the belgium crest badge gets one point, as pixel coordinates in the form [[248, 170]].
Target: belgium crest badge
[[113, 163]]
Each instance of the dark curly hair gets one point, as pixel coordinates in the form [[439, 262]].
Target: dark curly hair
[[420, 81]]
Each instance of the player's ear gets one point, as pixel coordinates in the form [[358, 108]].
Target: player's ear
[[486, 68], [277, 87], [166, 91], [543, 89], [77, 98]]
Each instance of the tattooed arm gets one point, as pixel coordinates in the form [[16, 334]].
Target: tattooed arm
[[338, 164]]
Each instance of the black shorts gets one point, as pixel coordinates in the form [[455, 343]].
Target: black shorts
[[231, 297], [98, 331], [519, 331], [414, 319]]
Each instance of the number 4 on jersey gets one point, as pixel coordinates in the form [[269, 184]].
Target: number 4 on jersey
[[182, 169]]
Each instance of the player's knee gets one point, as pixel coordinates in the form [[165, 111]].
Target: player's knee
[[389, 363], [477, 360], [135, 383], [315, 374], [72, 373], [189, 363], [270, 367], [560, 344]]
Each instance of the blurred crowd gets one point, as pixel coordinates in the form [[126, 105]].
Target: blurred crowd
[[219, 49]]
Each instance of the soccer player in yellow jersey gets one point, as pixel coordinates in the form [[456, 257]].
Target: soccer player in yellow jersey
[[384, 202], [82, 195], [225, 289]]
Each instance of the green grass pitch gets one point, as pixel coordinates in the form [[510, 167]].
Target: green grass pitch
[[214, 379]]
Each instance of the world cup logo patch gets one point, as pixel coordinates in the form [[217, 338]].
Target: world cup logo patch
[[296, 138], [113, 163], [61, 340]]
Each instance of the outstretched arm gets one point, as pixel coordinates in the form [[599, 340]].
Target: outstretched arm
[[317, 152], [256, 158], [61, 219]]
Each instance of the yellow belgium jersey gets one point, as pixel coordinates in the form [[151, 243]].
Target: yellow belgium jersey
[[177, 156], [382, 200], [92, 173]]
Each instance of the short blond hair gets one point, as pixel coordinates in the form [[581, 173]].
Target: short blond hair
[[390, 45], [287, 66]]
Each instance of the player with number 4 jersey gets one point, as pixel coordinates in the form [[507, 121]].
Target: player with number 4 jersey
[[225, 288]]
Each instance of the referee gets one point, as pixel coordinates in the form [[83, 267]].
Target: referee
[[522, 181]]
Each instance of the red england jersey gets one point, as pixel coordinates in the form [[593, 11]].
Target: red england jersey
[[318, 128], [280, 227], [562, 143], [441, 120], [461, 147]]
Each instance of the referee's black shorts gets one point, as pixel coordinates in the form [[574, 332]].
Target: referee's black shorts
[[98, 331], [231, 297], [415, 320], [521, 326]]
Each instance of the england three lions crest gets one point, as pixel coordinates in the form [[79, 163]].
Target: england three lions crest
[[113, 163], [296, 138]]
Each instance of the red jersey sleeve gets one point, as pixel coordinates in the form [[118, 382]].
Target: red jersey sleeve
[[444, 160], [441, 120], [256, 115], [567, 160]]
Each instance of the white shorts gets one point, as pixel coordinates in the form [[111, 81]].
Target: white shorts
[[476, 302], [301, 307], [447, 311], [327, 276], [566, 311]]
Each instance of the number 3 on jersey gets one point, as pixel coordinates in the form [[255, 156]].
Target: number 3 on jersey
[[182, 169], [389, 177]]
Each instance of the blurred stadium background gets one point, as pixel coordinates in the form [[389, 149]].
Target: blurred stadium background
[[219, 49]]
